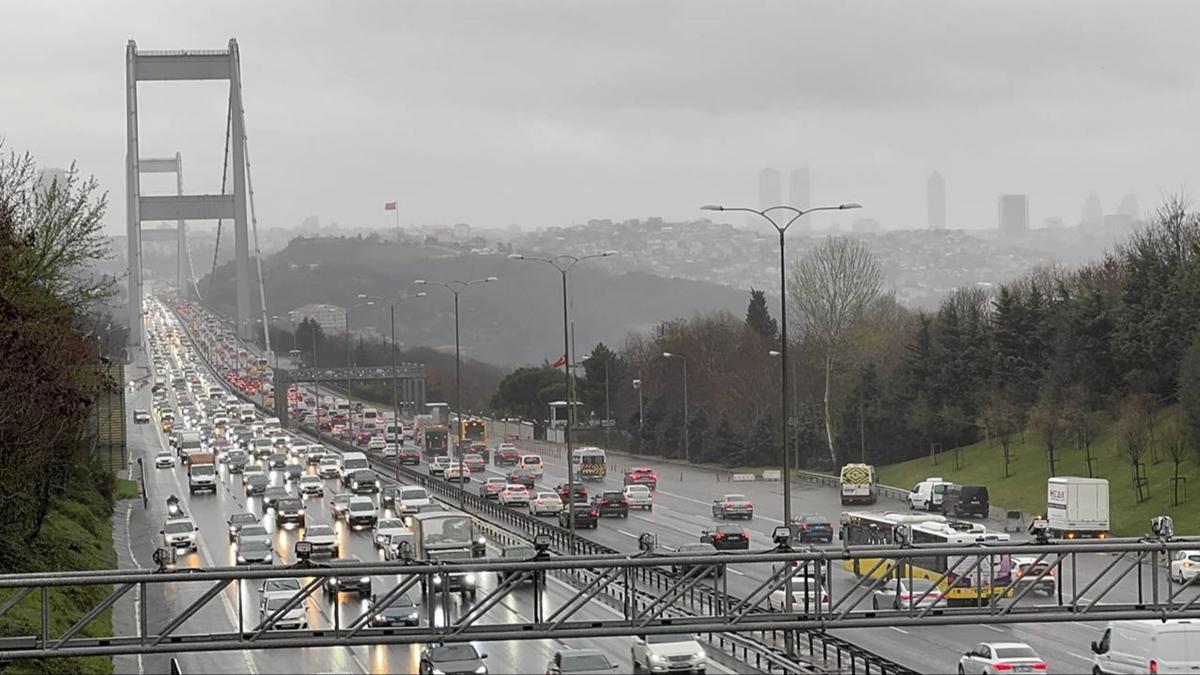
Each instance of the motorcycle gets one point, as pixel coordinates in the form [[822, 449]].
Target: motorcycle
[[174, 509]]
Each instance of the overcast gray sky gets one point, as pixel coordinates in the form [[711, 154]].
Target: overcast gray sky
[[544, 113]]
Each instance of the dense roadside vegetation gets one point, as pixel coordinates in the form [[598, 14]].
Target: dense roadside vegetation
[[54, 337]]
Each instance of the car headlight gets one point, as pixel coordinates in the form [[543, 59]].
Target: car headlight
[[241, 559], [700, 654], [333, 581], [437, 580], [658, 658], [481, 670], [379, 617], [482, 541], [413, 616], [469, 578], [365, 580], [438, 671]]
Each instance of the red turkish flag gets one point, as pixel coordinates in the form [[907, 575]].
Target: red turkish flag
[[389, 206], [562, 361]]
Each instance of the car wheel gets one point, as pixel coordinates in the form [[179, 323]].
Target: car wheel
[[875, 603], [960, 670]]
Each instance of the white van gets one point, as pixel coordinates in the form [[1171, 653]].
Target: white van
[[351, 462], [1150, 646], [272, 425], [531, 462], [927, 495]]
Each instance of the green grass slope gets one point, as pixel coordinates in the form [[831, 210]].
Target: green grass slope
[[1026, 489]]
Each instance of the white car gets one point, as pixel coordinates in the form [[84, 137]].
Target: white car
[[180, 533], [385, 529], [545, 504], [323, 540], [1185, 566], [808, 596], [312, 486], [390, 450], [412, 499], [376, 443], [164, 460], [901, 594], [329, 467], [1001, 657], [457, 472], [514, 494], [668, 653], [639, 497], [295, 618]]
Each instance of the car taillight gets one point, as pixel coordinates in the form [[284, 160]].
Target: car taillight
[[718, 536], [1039, 666], [1002, 666], [1153, 667], [593, 514], [745, 537], [624, 502]]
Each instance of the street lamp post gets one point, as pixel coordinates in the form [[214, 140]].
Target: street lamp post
[[349, 377], [637, 384], [795, 215], [564, 263], [687, 450], [317, 379], [456, 287], [392, 313]]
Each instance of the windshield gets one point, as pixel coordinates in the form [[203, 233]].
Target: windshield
[[290, 505], [585, 663], [389, 523], [244, 518], [253, 531], [277, 585], [275, 604], [735, 498], [417, 493], [452, 530], [453, 653], [178, 527], [356, 464], [362, 506], [667, 639], [319, 531], [253, 545], [1015, 653], [202, 469]]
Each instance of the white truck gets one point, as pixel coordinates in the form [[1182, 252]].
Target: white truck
[[858, 484], [202, 472], [1077, 508]]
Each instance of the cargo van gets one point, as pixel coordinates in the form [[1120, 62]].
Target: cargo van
[[927, 495], [1150, 646], [533, 463], [351, 462], [966, 500]]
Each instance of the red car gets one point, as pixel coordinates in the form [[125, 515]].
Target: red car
[[409, 455], [581, 495], [507, 455], [362, 438], [642, 475]]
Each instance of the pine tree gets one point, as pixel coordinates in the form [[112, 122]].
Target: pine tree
[[728, 446], [758, 318], [701, 447]]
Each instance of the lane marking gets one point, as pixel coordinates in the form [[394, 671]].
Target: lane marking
[[137, 591], [1084, 625], [991, 628], [898, 630], [733, 571], [628, 534], [1081, 658]]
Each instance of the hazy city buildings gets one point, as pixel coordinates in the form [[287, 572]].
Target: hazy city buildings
[[800, 195], [935, 201], [1129, 206], [770, 193], [331, 318], [1014, 214], [1091, 213]]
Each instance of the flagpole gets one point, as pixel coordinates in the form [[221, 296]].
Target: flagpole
[[397, 212]]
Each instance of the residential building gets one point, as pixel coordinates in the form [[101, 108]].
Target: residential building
[[331, 318], [1014, 214]]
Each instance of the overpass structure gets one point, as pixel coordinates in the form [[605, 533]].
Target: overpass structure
[[187, 65], [409, 378]]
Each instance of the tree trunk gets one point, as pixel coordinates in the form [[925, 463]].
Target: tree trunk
[[828, 416]]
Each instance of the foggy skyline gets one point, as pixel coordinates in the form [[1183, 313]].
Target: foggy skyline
[[543, 113]]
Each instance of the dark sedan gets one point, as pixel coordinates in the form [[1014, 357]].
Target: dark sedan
[[726, 537], [400, 611], [808, 527], [586, 516]]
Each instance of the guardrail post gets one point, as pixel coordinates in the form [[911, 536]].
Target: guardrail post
[[45, 616]]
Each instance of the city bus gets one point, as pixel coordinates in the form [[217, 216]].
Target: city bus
[[474, 430], [963, 586], [590, 463]]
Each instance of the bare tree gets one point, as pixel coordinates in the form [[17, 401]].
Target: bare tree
[[831, 287], [1134, 437], [1174, 441], [1079, 422], [1047, 420], [999, 420]]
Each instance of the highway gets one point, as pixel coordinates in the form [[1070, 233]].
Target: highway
[[211, 513]]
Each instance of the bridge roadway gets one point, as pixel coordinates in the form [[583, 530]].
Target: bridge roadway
[[211, 513]]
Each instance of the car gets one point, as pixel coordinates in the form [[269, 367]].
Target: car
[[638, 497], [668, 653], [315, 453], [386, 528], [329, 467], [390, 450], [295, 618], [1027, 569], [179, 533], [474, 462], [906, 594], [928, 494], [611, 503], [375, 442], [523, 476], [492, 487], [348, 583], [141, 417], [514, 495], [277, 588], [409, 455], [364, 481], [585, 517], [808, 527], [289, 510], [253, 532], [641, 475], [572, 661], [254, 552], [1185, 566], [545, 503], [400, 610], [437, 466], [272, 495], [506, 454], [361, 512], [164, 460], [339, 505], [293, 472], [727, 537], [457, 472], [1002, 657], [809, 595], [312, 486], [701, 549], [733, 506], [462, 657], [236, 460], [297, 448], [323, 539], [262, 447], [1129, 646], [256, 483], [581, 494], [239, 520], [413, 499], [277, 460]]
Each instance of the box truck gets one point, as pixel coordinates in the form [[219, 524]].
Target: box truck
[[1077, 508]]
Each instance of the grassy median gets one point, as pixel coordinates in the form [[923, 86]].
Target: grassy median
[[1025, 489], [76, 535]]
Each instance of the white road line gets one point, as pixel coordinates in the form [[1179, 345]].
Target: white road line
[[1081, 658], [628, 534], [898, 630], [137, 591], [733, 571], [991, 628], [1084, 625]]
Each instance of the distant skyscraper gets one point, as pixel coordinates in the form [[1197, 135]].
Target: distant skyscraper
[[799, 195], [770, 193], [1092, 213], [935, 200], [1014, 214], [1129, 206]]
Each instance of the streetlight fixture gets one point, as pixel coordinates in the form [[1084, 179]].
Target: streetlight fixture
[[687, 450], [637, 384], [392, 314], [457, 287], [349, 377], [792, 214], [564, 263]]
